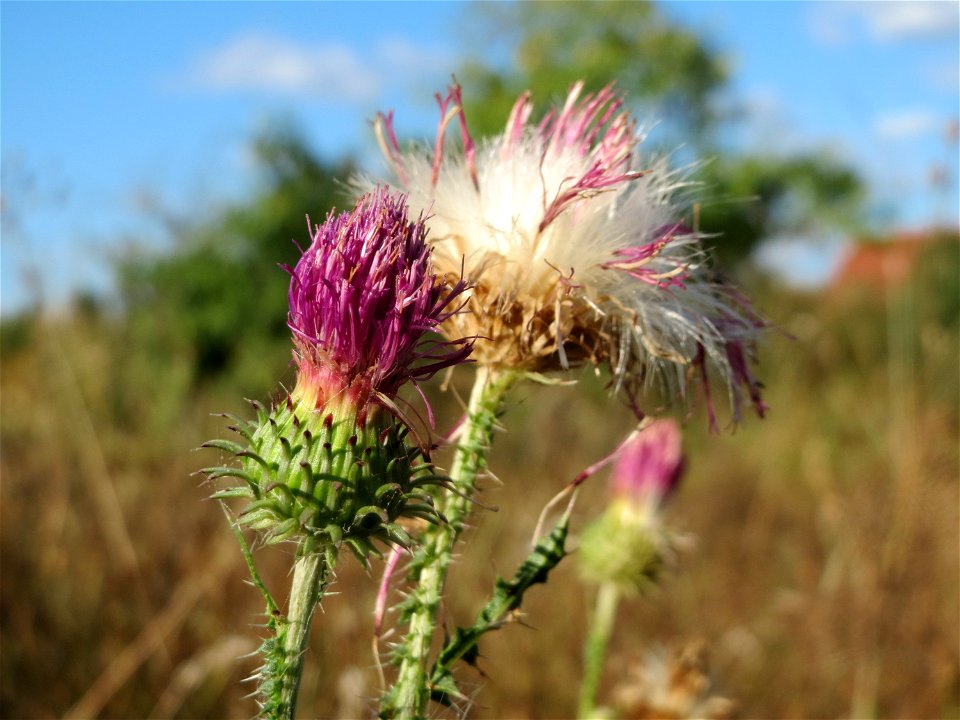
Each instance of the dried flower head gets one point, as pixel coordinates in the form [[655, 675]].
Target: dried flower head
[[674, 684], [575, 248], [361, 299]]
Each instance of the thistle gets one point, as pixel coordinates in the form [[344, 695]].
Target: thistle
[[624, 551], [576, 253], [576, 250], [626, 546], [331, 465], [672, 683]]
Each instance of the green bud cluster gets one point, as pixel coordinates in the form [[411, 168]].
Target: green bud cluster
[[336, 476], [622, 548]]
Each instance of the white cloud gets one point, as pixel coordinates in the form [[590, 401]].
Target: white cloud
[[264, 62], [911, 20], [838, 23], [409, 57], [906, 124], [331, 72], [829, 24], [762, 124], [764, 121]]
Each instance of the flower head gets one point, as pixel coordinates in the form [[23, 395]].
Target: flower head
[[627, 545], [575, 248], [672, 683], [324, 463], [361, 299]]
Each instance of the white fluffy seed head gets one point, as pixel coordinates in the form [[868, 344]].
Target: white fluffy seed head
[[576, 250]]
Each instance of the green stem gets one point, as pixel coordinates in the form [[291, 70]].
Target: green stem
[[410, 695], [310, 575], [595, 649], [507, 597]]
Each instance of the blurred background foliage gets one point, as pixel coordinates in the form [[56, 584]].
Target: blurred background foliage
[[218, 296], [824, 573]]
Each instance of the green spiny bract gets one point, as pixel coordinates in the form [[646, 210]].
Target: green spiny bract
[[622, 547], [335, 476]]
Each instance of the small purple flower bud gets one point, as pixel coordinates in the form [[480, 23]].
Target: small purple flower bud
[[361, 299], [649, 465], [626, 545]]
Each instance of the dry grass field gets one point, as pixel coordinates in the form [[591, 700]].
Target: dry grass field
[[822, 572]]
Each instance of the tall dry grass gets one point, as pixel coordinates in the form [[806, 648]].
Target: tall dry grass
[[824, 577]]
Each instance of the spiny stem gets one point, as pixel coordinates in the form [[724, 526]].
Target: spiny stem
[[506, 598], [410, 695], [310, 576], [595, 649]]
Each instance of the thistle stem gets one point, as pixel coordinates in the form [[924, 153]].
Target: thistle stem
[[595, 648], [410, 695], [310, 575]]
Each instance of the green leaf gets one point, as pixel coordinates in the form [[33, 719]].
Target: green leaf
[[507, 596]]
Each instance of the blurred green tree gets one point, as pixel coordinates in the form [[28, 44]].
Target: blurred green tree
[[746, 199], [217, 303], [743, 198], [554, 44]]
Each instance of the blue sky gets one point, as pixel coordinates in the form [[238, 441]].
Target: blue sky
[[113, 111]]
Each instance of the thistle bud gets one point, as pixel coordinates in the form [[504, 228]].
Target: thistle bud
[[332, 460], [626, 546]]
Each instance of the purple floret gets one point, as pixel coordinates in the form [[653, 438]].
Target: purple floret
[[361, 299], [650, 463]]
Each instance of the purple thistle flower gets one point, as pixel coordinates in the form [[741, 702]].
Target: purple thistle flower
[[361, 299]]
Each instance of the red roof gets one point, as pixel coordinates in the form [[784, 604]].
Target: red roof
[[880, 264]]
